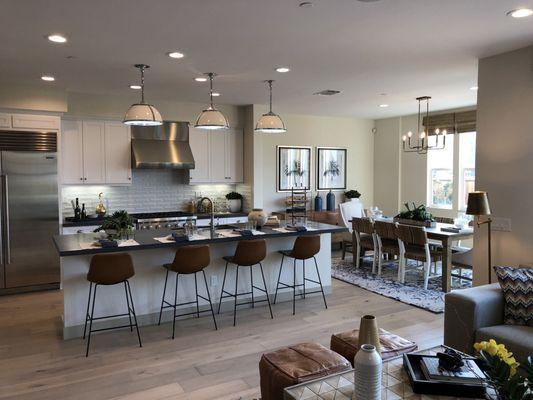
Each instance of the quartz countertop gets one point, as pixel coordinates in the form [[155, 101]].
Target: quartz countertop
[[69, 245]]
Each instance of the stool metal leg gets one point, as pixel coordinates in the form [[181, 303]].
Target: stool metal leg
[[235, 304], [320, 282], [197, 303], [134, 314], [87, 312], [91, 322], [252, 285], [128, 305], [279, 277], [303, 272], [163, 298], [175, 302], [210, 304], [223, 283], [294, 288], [266, 290]]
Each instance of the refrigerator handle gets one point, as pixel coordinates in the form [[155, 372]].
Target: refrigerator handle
[[5, 222]]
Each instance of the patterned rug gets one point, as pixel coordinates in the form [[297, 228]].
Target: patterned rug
[[411, 292]]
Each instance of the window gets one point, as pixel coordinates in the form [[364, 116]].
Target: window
[[452, 172]]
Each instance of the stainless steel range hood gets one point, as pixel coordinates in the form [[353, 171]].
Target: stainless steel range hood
[[165, 146]]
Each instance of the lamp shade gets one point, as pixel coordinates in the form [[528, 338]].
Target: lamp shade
[[142, 114], [270, 123], [478, 204], [212, 119]]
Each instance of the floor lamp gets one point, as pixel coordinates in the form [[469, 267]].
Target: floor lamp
[[478, 205]]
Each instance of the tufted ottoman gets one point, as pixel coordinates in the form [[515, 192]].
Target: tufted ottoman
[[296, 364], [346, 344]]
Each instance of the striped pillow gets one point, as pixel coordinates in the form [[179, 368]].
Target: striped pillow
[[517, 287]]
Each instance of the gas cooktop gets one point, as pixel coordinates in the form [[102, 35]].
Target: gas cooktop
[[165, 219], [163, 214]]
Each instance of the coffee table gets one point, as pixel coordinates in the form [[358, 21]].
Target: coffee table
[[394, 381]]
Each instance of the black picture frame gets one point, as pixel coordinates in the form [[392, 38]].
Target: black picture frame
[[331, 173], [289, 174]]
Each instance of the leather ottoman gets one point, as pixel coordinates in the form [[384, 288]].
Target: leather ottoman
[[297, 364], [346, 344]]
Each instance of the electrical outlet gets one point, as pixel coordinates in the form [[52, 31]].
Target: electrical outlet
[[214, 280], [501, 224]]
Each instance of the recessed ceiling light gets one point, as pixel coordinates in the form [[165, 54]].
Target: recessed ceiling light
[[200, 79], [474, 88], [48, 78], [520, 13], [135, 87], [327, 92], [283, 69], [383, 105], [306, 4], [56, 38], [215, 94], [175, 54]]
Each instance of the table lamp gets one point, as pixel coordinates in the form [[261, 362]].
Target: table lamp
[[478, 205]]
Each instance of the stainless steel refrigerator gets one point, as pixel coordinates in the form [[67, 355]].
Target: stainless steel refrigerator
[[28, 211]]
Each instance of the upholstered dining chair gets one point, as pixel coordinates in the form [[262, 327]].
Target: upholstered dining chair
[[386, 241], [348, 211], [365, 240]]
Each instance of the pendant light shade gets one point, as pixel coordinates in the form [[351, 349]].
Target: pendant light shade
[[270, 122], [142, 114], [211, 118]]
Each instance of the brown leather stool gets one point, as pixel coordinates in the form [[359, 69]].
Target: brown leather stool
[[110, 269], [247, 254], [347, 344], [296, 364], [305, 247], [188, 260]]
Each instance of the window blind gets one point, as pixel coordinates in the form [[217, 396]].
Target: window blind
[[458, 122]]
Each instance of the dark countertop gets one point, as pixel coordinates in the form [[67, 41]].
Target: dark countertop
[[68, 245], [98, 221]]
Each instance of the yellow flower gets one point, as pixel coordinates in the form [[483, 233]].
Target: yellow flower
[[499, 350]]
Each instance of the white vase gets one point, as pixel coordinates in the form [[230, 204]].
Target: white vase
[[367, 373], [234, 205]]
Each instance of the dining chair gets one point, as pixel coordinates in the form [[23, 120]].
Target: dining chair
[[348, 211], [386, 242], [365, 240], [462, 260], [414, 245]]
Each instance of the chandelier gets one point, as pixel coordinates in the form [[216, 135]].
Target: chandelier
[[421, 144]]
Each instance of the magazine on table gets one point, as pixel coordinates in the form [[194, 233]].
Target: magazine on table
[[468, 373]]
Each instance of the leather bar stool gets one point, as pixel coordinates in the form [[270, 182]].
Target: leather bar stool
[[248, 254], [305, 248], [110, 269], [189, 260]]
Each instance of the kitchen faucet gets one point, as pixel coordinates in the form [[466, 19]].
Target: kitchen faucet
[[212, 224]]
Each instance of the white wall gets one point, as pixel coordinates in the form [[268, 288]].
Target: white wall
[[304, 130], [504, 156]]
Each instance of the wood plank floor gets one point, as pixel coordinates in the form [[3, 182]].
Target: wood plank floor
[[199, 364]]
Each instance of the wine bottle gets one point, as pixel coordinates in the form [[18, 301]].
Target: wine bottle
[[77, 211], [83, 211]]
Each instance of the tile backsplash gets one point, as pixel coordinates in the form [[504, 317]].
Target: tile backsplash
[[151, 190]]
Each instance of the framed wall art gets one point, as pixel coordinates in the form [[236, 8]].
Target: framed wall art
[[331, 168], [293, 168]]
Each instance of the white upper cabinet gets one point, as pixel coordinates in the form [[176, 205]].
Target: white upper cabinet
[[95, 152], [29, 121], [234, 156], [117, 153], [72, 152], [5, 121], [199, 141], [218, 155]]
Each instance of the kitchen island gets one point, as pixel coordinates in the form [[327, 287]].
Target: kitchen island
[[149, 255]]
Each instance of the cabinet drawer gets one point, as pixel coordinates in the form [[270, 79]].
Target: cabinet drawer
[[23, 121], [72, 230]]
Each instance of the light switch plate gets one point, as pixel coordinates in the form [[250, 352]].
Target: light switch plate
[[501, 224]]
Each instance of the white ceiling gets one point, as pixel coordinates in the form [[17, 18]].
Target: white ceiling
[[404, 48]]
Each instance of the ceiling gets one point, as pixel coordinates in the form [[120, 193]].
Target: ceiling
[[404, 48]]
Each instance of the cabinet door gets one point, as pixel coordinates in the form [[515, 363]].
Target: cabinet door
[[71, 152], [28, 121], [218, 154], [117, 153], [5, 121], [199, 141], [93, 152], [234, 156]]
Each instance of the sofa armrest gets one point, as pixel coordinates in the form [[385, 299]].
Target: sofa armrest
[[465, 311]]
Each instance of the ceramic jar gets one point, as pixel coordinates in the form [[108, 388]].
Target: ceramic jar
[[369, 332], [235, 205], [258, 216], [367, 373]]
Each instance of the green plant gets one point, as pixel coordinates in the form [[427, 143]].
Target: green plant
[[501, 368], [417, 213], [352, 194], [120, 221], [234, 196]]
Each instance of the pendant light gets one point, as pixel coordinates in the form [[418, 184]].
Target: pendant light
[[270, 122], [421, 144], [142, 114], [211, 118]]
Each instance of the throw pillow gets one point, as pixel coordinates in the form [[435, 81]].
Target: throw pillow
[[517, 287]]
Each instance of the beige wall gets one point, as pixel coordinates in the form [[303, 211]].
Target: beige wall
[[304, 130], [33, 98], [504, 159]]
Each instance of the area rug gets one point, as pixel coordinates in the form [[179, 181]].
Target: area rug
[[411, 292]]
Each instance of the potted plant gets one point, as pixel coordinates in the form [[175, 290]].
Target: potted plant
[[417, 215], [118, 226], [352, 195], [234, 201]]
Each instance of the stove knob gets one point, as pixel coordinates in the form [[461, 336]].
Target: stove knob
[[157, 226], [149, 227], [168, 226]]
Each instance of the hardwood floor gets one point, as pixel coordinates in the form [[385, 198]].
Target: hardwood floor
[[199, 364]]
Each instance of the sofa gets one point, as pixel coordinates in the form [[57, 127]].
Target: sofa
[[476, 314]]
